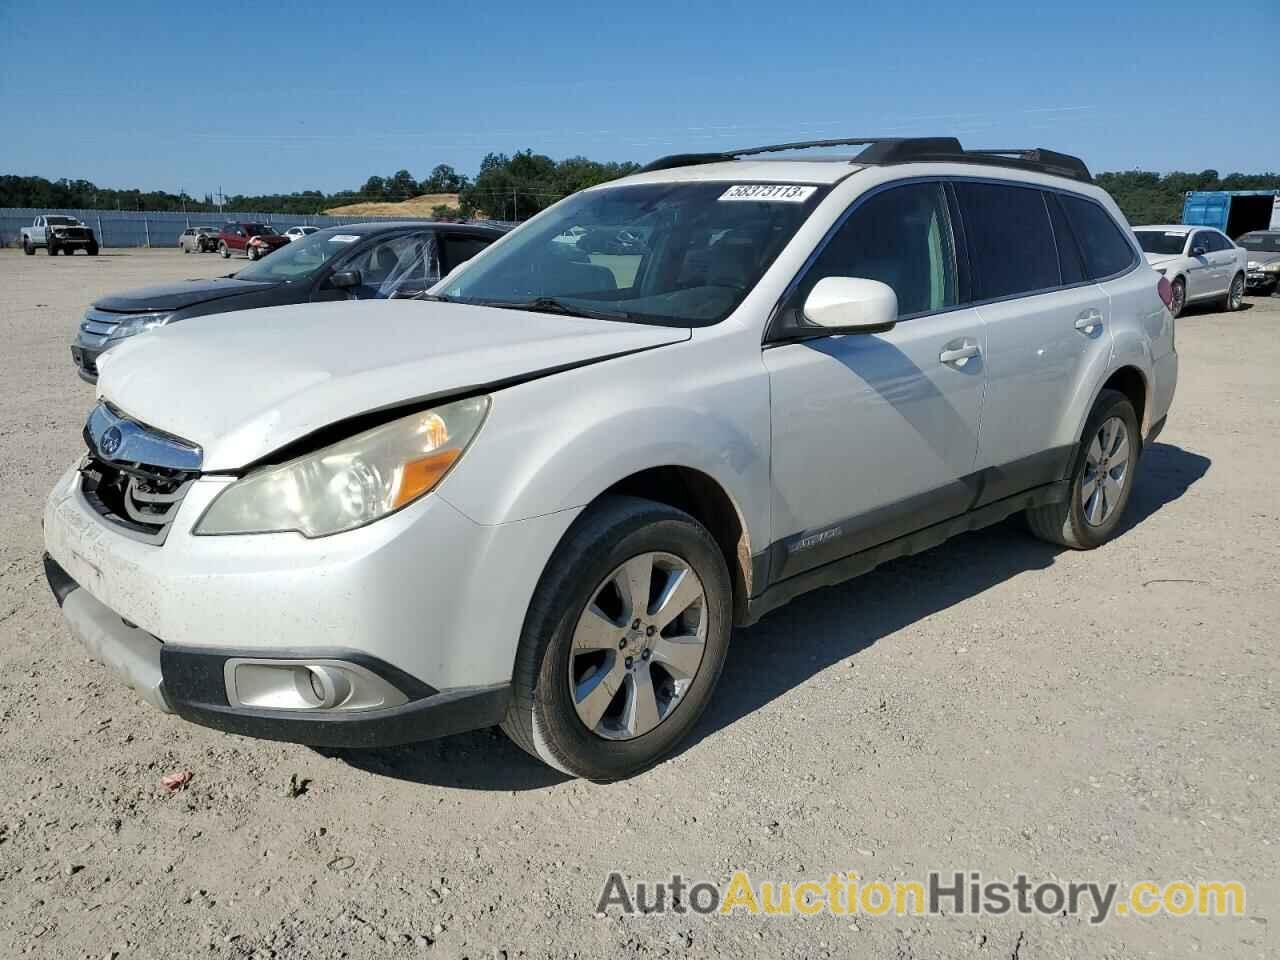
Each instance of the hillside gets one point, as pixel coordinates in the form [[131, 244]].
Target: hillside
[[415, 207]]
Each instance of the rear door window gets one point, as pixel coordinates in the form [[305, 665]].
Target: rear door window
[[460, 249], [1010, 239], [1106, 251]]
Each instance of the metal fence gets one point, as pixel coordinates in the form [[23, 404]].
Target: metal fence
[[129, 228]]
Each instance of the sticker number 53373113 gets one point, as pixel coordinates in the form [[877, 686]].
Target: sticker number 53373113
[[769, 192]]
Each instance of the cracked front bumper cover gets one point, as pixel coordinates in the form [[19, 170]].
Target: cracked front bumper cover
[[189, 681]]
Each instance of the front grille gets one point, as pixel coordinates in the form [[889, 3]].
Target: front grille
[[141, 500], [74, 233], [135, 476], [98, 325]]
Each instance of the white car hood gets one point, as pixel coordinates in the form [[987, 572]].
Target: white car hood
[[244, 384]]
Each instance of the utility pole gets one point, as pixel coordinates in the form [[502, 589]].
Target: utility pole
[[515, 205]]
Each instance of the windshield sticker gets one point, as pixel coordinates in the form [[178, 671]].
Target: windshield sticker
[[769, 192], [343, 238]]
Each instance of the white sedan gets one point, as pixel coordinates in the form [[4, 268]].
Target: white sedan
[[297, 233], [1200, 262]]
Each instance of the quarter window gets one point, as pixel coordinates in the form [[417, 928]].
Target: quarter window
[[901, 237], [1106, 251], [1010, 239]]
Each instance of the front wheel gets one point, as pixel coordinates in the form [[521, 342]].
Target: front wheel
[[624, 640], [27, 248], [91, 250], [1179, 297], [253, 253], [1235, 295], [222, 249], [52, 248], [1102, 482]]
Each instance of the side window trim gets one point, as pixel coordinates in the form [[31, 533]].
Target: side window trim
[[1051, 197]]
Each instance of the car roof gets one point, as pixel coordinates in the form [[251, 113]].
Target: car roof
[[1176, 227], [830, 170]]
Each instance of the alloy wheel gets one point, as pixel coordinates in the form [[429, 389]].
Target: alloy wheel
[[1106, 470], [638, 646], [1237, 293]]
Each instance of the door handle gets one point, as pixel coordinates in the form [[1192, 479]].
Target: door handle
[[959, 355], [1088, 320]]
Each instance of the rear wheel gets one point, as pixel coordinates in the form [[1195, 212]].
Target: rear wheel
[[623, 642], [27, 248], [1102, 481], [253, 253]]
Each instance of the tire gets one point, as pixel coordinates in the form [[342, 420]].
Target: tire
[[222, 249], [252, 253], [1179, 297], [1234, 300], [1081, 522], [27, 248], [91, 250], [543, 718], [185, 248], [52, 248]]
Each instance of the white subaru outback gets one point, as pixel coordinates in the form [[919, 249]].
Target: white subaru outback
[[543, 496]]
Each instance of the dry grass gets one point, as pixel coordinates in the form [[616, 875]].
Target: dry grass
[[414, 207]]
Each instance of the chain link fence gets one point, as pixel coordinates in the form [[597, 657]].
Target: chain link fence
[[129, 228]]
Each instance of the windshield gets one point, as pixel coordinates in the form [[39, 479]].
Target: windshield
[[258, 229], [1161, 241], [61, 221], [301, 258], [1260, 242], [681, 254]]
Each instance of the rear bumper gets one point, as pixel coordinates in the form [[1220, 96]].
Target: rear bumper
[[190, 681]]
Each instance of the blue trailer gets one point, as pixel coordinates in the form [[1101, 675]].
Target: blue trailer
[[1234, 212]]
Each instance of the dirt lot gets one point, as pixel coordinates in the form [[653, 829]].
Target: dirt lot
[[995, 705]]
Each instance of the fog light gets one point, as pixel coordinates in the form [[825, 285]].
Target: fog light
[[305, 685]]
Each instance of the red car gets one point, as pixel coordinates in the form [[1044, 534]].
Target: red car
[[254, 240]]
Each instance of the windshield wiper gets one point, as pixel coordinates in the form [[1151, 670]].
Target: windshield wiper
[[556, 305]]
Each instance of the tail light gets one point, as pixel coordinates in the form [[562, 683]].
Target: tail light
[[1165, 289]]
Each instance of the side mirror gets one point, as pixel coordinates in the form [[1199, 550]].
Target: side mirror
[[851, 305], [345, 279], [1198, 251]]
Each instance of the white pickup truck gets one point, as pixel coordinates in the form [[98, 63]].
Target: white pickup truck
[[59, 233]]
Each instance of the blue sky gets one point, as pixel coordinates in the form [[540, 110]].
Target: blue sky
[[280, 96]]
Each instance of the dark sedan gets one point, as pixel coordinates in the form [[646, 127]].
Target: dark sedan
[[355, 262], [1263, 268]]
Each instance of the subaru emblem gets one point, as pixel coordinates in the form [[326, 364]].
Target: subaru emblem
[[110, 442]]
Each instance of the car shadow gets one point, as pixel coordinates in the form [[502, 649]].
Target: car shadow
[[804, 637]]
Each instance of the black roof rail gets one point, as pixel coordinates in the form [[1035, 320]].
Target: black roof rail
[[887, 150]]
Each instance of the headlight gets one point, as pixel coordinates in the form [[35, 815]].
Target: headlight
[[1252, 265], [1272, 267], [351, 483], [136, 323]]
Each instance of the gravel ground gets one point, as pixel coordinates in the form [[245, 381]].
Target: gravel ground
[[994, 705]]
